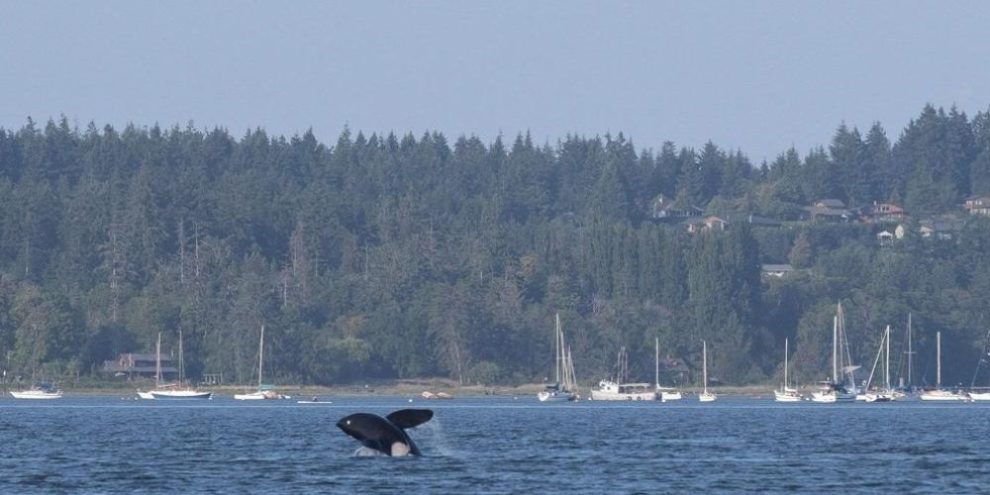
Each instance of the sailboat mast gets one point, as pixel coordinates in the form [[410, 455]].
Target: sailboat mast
[[158, 362], [558, 351], [704, 365], [182, 367], [261, 354], [910, 354], [886, 365], [938, 360], [656, 361], [835, 346], [785, 364]]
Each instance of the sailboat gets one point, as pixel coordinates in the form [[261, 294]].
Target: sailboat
[[938, 394], [563, 389], [38, 391], [663, 393], [158, 371], [786, 394], [886, 394], [835, 390], [705, 395], [180, 390], [261, 393]]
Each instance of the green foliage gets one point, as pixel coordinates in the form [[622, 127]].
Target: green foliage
[[397, 256]]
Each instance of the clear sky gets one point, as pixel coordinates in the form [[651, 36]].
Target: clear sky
[[749, 75]]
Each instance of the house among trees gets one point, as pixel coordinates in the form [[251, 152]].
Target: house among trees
[[663, 208], [705, 224], [941, 229], [827, 210], [134, 365], [885, 212], [776, 271], [979, 205]]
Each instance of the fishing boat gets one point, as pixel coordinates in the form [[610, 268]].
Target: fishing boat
[[618, 389], [664, 394], [39, 391], [841, 387], [786, 394], [940, 394], [705, 395], [262, 393], [885, 394], [179, 391], [564, 387]]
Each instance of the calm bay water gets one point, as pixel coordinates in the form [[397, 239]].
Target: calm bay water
[[495, 445]]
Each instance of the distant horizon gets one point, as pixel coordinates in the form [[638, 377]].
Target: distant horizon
[[328, 140]]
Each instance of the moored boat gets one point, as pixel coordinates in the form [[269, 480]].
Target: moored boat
[[786, 394], [42, 391]]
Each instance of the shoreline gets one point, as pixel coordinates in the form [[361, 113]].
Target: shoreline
[[401, 388]]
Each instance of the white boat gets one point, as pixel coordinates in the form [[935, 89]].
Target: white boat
[[617, 389], [979, 396], [839, 388], [39, 392], [786, 394], [564, 387], [885, 394], [261, 393], [938, 394], [705, 395], [178, 391], [663, 394]]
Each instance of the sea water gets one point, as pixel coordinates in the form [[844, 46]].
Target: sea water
[[495, 445]]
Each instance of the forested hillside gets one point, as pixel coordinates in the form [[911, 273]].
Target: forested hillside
[[384, 256]]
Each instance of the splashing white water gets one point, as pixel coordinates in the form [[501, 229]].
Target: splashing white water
[[433, 441], [363, 451]]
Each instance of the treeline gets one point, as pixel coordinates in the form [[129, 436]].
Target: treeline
[[391, 257]]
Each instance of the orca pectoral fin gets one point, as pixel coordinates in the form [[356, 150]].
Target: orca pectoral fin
[[410, 418]]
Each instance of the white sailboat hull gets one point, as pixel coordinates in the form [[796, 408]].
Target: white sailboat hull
[[36, 394], [180, 394], [145, 395], [707, 397], [979, 396], [546, 396], [666, 394], [943, 396], [789, 395], [260, 395]]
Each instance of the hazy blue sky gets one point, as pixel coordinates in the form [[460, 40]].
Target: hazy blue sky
[[757, 76]]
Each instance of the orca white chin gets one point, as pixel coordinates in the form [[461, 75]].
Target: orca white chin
[[400, 449]]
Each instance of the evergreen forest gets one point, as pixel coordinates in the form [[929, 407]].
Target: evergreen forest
[[383, 256]]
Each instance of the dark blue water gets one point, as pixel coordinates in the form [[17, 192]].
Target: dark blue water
[[487, 445]]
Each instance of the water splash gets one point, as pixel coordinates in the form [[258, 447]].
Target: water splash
[[434, 440], [363, 451]]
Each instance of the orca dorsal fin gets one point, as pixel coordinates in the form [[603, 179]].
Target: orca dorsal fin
[[410, 418]]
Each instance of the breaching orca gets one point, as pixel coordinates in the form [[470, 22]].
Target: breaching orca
[[386, 435]]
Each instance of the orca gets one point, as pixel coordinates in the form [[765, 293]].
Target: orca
[[386, 435]]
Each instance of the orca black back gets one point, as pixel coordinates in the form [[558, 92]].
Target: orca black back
[[386, 435]]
